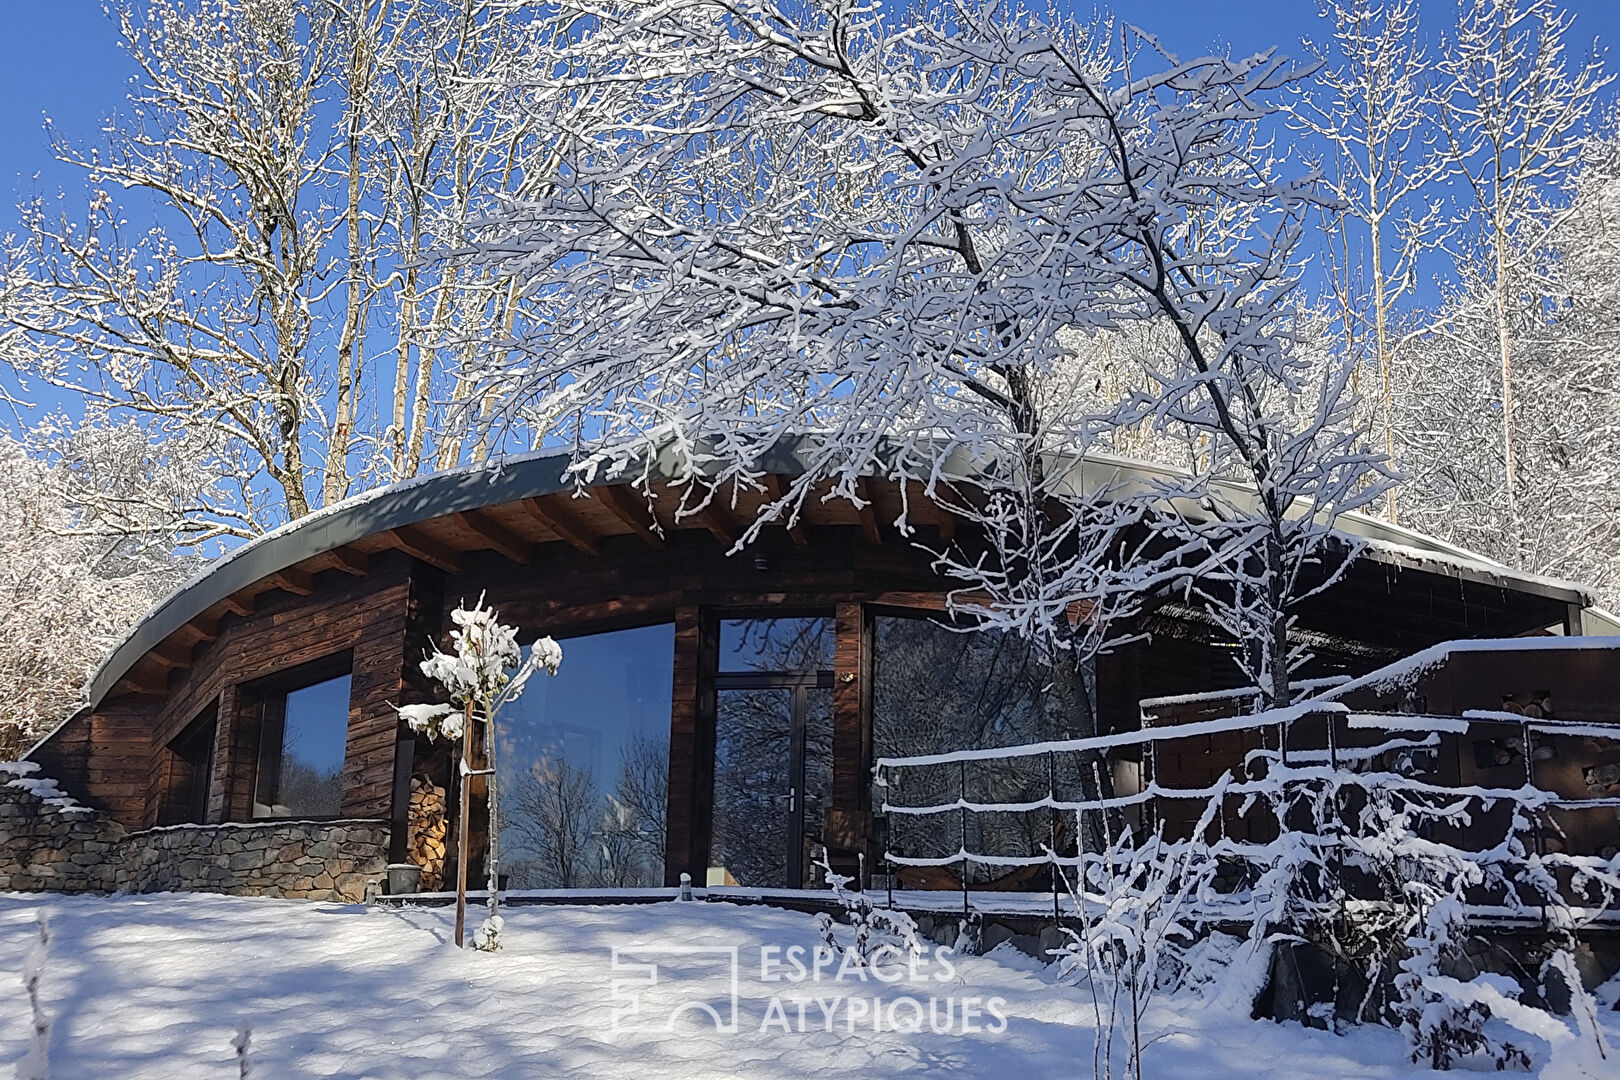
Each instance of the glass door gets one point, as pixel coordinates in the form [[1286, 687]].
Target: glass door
[[773, 751]]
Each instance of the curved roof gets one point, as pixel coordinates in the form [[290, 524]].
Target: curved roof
[[536, 475]]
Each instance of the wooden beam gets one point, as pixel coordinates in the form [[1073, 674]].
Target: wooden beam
[[198, 631], [417, 544], [632, 509], [717, 519], [237, 604], [564, 522], [293, 580], [129, 687], [144, 685], [869, 521], [777, 490], [349, 561], [947, 525], [170, 655], [497, 536]]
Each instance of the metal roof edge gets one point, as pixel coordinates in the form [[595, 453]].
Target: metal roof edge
[[547, 472]]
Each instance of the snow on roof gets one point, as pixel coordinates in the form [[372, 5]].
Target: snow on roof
[[1403, 674]]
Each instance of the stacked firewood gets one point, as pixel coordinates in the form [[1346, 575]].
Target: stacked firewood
[[430, 830]]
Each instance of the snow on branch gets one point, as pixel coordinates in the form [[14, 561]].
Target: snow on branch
[[902, 233]]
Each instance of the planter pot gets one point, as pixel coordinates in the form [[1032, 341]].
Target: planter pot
[[403, 878]]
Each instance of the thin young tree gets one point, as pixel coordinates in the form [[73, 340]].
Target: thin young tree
[[1372, 102], [1515, 110], [485, 671]]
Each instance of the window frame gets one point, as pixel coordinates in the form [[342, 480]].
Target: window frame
[[269, 695], [196, 746]]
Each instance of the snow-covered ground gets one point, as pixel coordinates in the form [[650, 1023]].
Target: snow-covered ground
[[156, 986]]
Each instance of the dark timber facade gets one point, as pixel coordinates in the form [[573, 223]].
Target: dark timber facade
[[176, 727]]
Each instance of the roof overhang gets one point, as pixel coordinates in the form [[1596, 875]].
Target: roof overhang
[[534, 475]]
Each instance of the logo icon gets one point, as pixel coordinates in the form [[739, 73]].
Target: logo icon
[[657, 987]]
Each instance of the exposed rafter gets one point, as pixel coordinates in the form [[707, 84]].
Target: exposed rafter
[[293, 580], [632, 509], [417, 544], [717, 519], [240, 604], [497, 536], [349, 561], [563, 521], [198, 631], [170, 655], [144, 684], [868, 513]]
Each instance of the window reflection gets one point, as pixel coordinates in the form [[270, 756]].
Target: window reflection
[[772, 783], [584, 761], [938, 689], [301, 754], [773, 750], [787, 645]]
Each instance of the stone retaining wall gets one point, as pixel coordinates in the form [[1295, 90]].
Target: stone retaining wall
[[48, 843]]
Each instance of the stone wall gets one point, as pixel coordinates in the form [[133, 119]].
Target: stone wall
[[50, 843]]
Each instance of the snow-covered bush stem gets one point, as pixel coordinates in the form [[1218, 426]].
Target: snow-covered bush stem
[[1582, 1008], [36, 1063], [874, 928], [1132, 901], [484, 671], [241, 1044]]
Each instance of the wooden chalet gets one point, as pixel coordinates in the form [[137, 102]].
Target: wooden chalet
[[719, 708]]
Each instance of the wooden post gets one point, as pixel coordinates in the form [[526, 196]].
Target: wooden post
[[463, 782], [491, 796]]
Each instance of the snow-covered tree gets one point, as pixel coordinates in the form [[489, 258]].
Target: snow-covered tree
[[1564, 332], [1372, 104], [71, 580], [770, 218], [251, 266], [1514, 109], [483, 672]]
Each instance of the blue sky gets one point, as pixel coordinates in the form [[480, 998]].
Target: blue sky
[[62, 58]]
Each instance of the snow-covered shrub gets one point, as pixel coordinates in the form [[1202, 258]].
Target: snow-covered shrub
[[241, 1044], [1367, 876], [1135, 918], [484, 670], [1442, 1027], [872, 928]]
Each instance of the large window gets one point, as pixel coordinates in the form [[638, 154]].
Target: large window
[[937, 689], [584, 765], [301, 750]]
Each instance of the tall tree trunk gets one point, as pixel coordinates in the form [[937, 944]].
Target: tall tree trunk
[[1504, 343], [1375, 229], [334, 485]]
